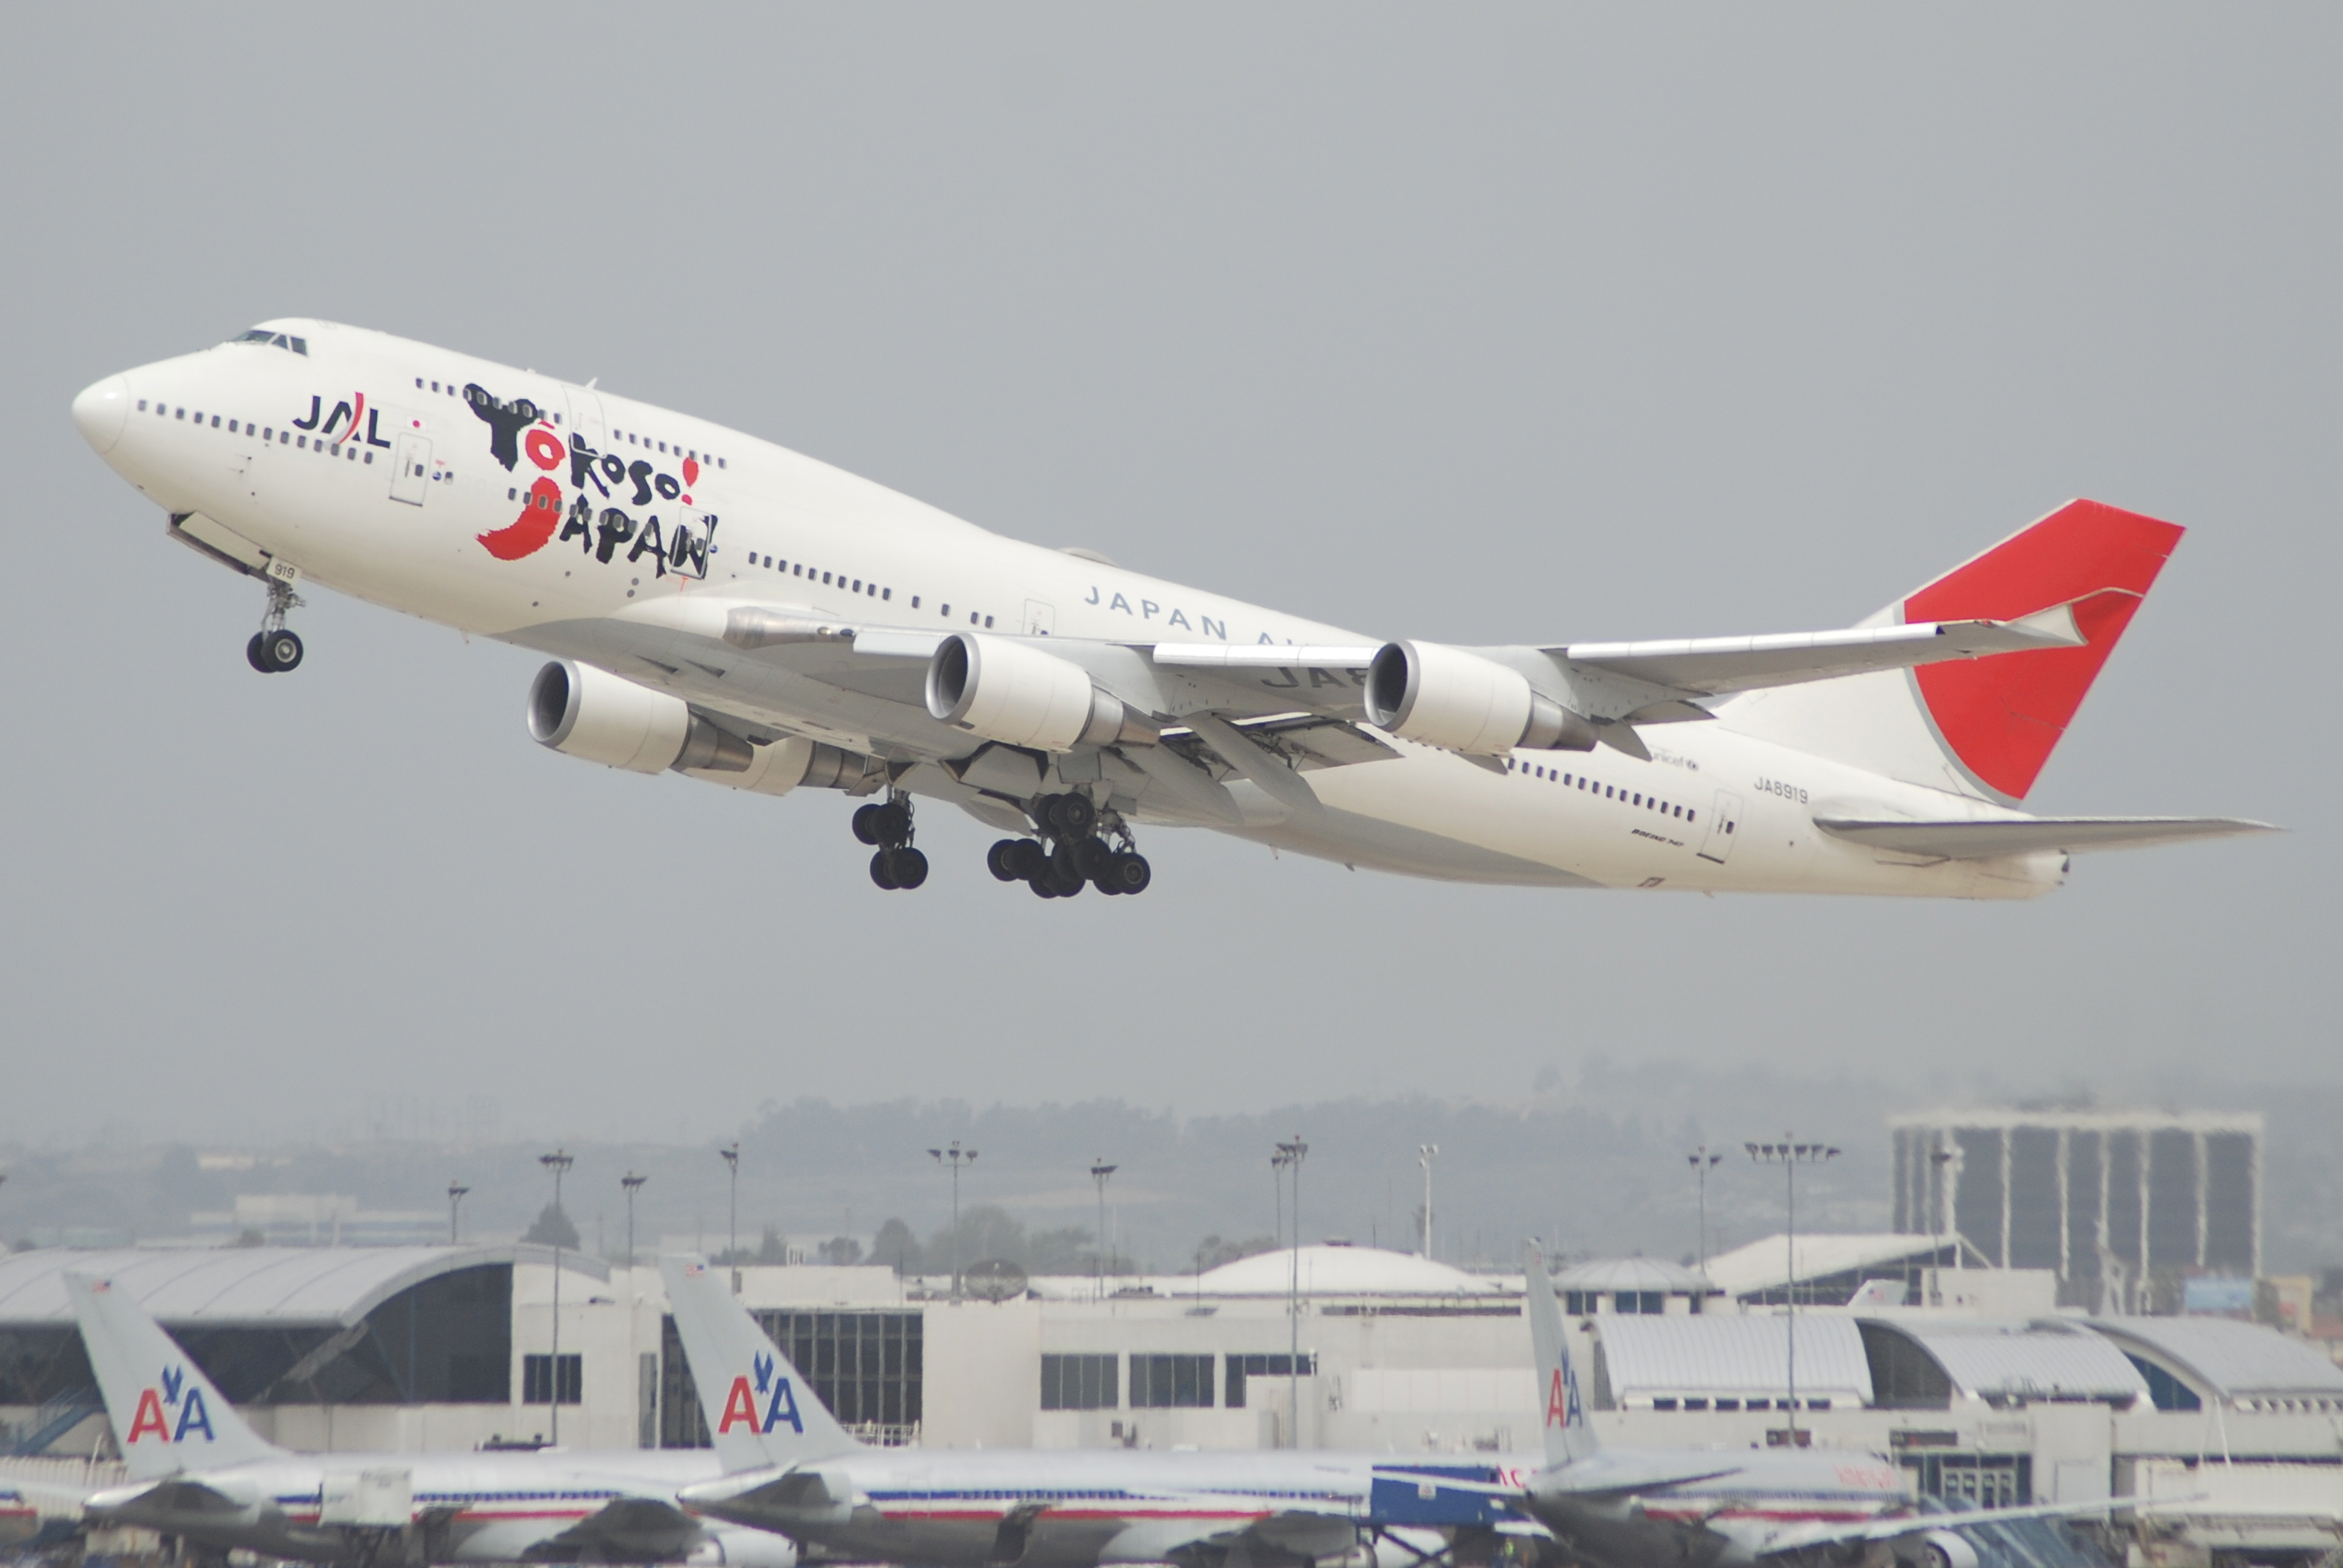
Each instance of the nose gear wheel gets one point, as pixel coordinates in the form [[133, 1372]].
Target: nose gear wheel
[[888, 825]]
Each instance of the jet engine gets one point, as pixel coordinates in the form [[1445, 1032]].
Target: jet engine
[[581, 712], [1013, 692], [1459, 701], [1948, 1549], [733, 1546]]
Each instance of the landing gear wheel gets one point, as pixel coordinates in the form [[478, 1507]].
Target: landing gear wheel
[[882, 872], [999, 860], [1043, 888], [908, 867], [1025, 858], [253, 656], [865, 823], [1126, 874], [1072, 814], [280, 651], [891, 823], [1093, 857]]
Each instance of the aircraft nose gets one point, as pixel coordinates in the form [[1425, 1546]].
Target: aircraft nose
[[102, 410]]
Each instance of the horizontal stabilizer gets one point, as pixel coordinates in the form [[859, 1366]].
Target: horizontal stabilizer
[[1715, 666], [1983, 840]]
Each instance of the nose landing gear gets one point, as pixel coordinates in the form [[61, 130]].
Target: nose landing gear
[[1078, 857], [888, 825], [274, 648]]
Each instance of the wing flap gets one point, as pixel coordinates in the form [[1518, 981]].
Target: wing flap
[[1987, 838]]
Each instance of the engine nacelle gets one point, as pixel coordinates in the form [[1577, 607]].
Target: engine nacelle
[[1013, 692], [1459, 701], [737, 1547], [1948, 1549], [581, 712]]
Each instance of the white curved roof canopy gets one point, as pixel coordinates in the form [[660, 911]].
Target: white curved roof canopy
[[2236, 1360], [1735, 1355], [248, 1286], [1343, 1272], [2023, 1362]]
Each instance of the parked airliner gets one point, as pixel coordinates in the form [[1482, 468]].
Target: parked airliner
[[791, 1468], [721, 607], [199, 1471], [1726, 1507]]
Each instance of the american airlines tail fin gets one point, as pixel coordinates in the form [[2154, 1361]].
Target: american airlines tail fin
[[1983, 727], [1567, 1434], [760, 1411], [167, 1416]]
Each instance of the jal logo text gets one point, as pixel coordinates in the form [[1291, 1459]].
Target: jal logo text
[[780, 1404], [151, 1421], [342, 423]]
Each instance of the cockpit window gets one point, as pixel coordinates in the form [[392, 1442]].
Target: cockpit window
[[275, 339]]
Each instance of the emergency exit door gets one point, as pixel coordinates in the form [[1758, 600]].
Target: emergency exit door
[[410, 469], [1723, 821]]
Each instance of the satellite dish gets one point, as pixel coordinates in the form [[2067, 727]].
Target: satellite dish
[[995, 1280]]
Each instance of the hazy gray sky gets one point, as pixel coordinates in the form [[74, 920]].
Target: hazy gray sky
[[1476, 323]]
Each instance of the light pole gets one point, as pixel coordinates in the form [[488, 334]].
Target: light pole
[[1938, 1158], [956, 1157], [1100, 1171], [1702, 1162], [1789, 1156], [455, 1191], [1425, 1153], [633, 1184], [1289, 1153], [558, 1162], [730, 1154]]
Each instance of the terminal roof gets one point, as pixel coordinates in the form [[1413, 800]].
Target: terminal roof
[[226, 1286]]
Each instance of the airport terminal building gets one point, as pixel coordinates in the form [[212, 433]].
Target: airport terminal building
[[2007, 1400]]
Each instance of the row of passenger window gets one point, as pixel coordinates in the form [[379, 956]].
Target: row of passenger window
[[267, 435], [631, 437], [1608, 792], [636, 438], [854, 585]]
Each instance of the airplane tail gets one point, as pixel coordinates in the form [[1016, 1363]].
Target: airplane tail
[[167, 1415], [1983, 727], [760, 1411], [1568, 1435]]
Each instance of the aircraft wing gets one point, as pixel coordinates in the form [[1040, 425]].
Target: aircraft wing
[[624, 1530], [1286, 1534], [1717, 666], [1600, 1473], [1805, 1537], [1984, 839], [173, 1494]]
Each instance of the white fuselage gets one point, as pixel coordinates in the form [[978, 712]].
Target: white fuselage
[[467, 1508], [404, 505], [1076, 1509], [1726, 1521]]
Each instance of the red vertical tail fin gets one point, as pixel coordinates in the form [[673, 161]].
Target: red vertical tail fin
[[2002, 717], [1983, 727]]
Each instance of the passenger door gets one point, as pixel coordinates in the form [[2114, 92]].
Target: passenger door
[[1724, 820], [1041, 619], [410, 468]]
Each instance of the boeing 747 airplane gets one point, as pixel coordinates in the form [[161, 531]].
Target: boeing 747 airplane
[[717, 606]]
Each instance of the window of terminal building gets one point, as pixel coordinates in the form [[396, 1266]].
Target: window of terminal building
[[1171, 1381], [1081, 1382], [1646, 1303], [1242, 1367], [868, 1367], [537, 1375]]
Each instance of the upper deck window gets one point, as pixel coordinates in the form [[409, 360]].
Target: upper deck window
[[275, 340]]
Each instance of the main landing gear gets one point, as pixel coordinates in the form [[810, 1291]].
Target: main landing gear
[[1076, 857], [275, 647], [888, 825]]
